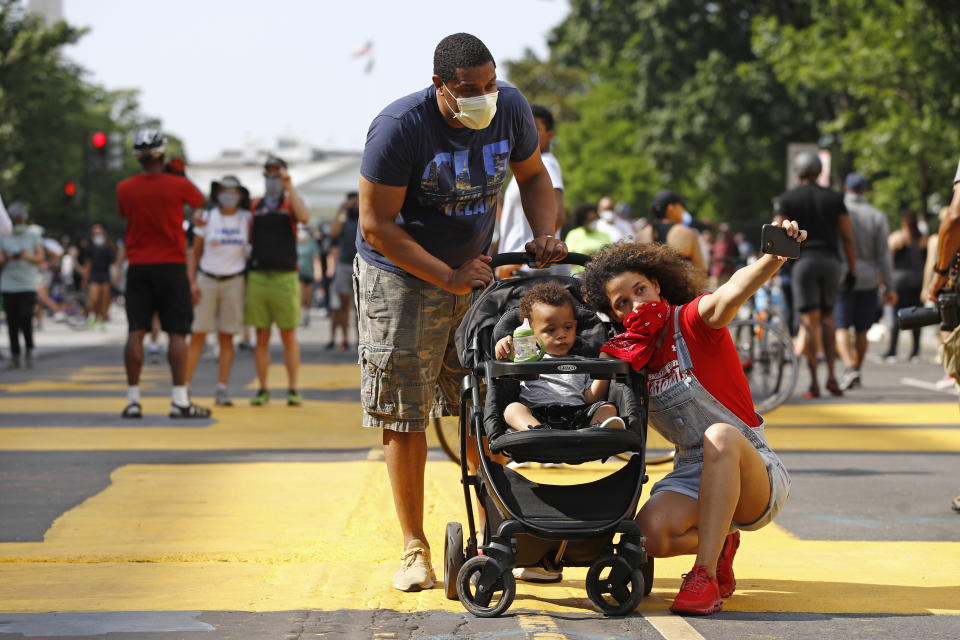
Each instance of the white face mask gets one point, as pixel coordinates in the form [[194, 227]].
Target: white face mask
[[592, 225], [607, 215], [99, 240], [475, 113], [228, 200]]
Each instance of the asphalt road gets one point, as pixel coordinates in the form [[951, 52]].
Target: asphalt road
[[277, 522]]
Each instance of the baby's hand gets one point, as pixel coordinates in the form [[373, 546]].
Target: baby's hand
[[504, 348]]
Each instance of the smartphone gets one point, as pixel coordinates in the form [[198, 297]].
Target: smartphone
[[774, 240]]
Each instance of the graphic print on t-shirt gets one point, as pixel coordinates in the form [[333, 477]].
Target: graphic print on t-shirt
[[666, 377], [446, 181]]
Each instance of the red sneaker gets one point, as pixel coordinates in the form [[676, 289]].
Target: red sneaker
[[699, 594], [725, 580]]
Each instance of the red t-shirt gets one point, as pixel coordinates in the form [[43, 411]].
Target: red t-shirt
[[153, 203], [715, 363]]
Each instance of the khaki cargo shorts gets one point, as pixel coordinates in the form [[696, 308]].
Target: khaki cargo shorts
[[220, 307], [410, 370]]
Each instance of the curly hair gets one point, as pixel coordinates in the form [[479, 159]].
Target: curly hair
[[552, 294], [679, 281], [459, 50]]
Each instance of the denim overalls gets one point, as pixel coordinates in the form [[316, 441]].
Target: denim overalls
[[682, 414]]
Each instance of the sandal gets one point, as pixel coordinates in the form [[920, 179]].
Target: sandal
[[956, 504], [133, 410], [189, 411]]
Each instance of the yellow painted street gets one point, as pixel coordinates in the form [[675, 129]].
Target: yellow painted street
[[300, 518]]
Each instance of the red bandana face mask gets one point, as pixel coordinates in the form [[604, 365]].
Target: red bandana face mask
[[643, 327]]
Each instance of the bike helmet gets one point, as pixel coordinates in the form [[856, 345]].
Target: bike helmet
[[150, 142]]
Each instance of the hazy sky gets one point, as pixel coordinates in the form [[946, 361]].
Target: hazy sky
[[218, 72]]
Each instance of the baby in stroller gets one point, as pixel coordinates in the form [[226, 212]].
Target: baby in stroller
[[556, 401]]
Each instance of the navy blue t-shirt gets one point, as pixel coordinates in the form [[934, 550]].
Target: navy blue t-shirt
[[452, 176]]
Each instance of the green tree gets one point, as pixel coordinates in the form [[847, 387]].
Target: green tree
[[549, 84], [888, 71], [49, 114], [679, 99]]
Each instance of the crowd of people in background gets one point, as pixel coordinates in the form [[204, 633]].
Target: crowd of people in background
[[831, 307], [76, 280], [247, 272]]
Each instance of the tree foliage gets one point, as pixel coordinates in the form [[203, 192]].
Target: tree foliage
[[890, 73], [703, 97], [49, 113]]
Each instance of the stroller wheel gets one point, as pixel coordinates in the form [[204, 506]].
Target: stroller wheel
[[484, 603], [613, 586], [453, 558]]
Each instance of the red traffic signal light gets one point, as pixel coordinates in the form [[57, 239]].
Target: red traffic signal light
[[69, 188], [99, 140]]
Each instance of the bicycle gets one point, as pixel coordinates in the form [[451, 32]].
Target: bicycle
[[768, 361]]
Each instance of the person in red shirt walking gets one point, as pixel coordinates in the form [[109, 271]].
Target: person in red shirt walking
[[152, 203]]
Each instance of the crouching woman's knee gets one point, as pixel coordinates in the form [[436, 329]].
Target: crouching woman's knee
[[721, 440], [655, 534]]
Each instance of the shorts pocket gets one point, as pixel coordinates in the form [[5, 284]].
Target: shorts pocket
[[376, 363]]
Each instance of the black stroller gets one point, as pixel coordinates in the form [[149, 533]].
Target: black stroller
[[532, 524]]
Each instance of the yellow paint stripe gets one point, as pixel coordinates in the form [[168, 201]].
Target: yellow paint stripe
[[864, 439], [672, 627], [933, 413], [323, 536], [842, 439], [540, 627], [337, 425], [52, 385]]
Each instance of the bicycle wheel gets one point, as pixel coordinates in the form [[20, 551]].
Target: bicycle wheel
[[768, 361], [447, 431]]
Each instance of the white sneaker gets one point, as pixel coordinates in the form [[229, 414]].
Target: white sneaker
[[616, 422], [513, 464], [536, 574], [945, 382], [849, 379], [416, 571]]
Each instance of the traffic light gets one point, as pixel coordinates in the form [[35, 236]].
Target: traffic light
[[115, 151], [99, 140], [69, 191]]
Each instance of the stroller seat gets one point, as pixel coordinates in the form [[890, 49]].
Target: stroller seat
[[571, 447], [551, 445]]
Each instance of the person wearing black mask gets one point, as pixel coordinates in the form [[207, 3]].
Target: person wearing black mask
[[273, 288]]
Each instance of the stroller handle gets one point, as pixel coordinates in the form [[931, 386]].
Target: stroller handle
[[527, 258]]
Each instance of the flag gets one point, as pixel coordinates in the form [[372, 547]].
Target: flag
[[366, 49]]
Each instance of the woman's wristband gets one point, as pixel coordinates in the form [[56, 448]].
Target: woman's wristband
[[942, 272]]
